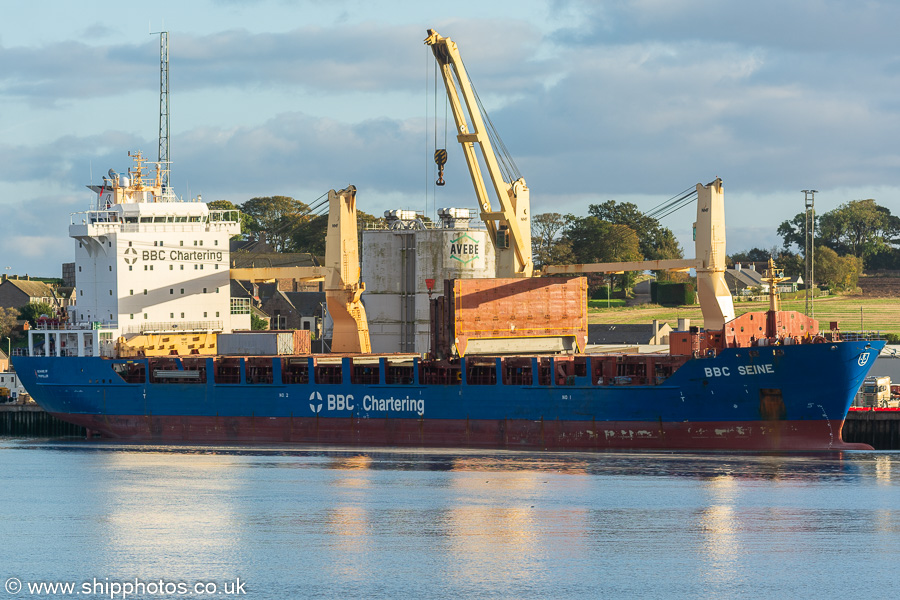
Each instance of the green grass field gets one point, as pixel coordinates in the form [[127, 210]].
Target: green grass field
[[878, 314], [603, 304]]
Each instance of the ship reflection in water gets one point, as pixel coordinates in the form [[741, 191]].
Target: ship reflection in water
[[383, 524]]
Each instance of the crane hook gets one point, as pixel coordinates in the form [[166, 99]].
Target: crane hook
[[440, 159]]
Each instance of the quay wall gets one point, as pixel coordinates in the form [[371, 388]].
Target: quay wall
[[878, 428], [30, 420]]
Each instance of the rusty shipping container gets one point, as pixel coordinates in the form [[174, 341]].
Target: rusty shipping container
[[510, 315]]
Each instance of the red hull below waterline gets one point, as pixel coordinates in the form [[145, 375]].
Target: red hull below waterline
[[822, 435]]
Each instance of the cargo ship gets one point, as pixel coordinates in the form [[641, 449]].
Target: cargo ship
[[139, 357], [145, 352], [782, 398]]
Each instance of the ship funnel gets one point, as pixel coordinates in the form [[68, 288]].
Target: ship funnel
[[113, 175]]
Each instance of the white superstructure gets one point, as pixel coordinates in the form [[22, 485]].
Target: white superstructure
[[148, 262]]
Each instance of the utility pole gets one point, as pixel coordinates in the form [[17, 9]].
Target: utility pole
[[809, 249]]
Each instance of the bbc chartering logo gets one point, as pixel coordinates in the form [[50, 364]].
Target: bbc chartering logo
[[131, 256], [315, 402]]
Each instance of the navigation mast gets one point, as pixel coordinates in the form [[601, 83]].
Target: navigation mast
[[163, 156]]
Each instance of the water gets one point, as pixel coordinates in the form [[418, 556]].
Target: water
[[348, 523]]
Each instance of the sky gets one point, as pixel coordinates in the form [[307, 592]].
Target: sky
[[595, 100]]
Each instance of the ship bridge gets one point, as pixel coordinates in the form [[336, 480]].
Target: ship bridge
[[148, 260], [154, 217]]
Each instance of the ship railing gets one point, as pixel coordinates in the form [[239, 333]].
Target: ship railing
[[69, 326], [174, 327], [382, 225], [861, 336], [112, 217], [95, 217]]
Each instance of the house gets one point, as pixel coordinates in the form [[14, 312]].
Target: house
[[744, 281], [790, 285], [16, 293], [295, 310], [258, 293], [632, 334]]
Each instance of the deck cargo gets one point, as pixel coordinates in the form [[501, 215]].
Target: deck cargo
[[255, 343], [502, 316]]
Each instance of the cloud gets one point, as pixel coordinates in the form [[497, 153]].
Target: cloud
[[66, 160], [96, 31], [335, 60], [595, 101], [802, 26]]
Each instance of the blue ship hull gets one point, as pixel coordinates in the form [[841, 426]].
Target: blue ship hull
[[791, 397]]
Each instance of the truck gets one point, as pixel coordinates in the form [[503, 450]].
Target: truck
[[875, 392]]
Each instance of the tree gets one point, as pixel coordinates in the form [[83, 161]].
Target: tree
[[365, 221], [277, 216], [8, 318], [33, 310], [793, 264], [257, 323], [793, 232], [753, 255], [656, 242], [887, 258], [838, 272], [309, 236], [859, 227], [547, 247], [593, 240]]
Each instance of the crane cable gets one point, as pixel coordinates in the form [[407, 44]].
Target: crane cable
[[673, 204], [662, 210], [504, 157]]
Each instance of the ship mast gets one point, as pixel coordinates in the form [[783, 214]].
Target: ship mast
[[163, 156], [773, 277]]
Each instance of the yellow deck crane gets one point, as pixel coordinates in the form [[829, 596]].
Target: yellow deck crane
[[513, 221], [510, 227]]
